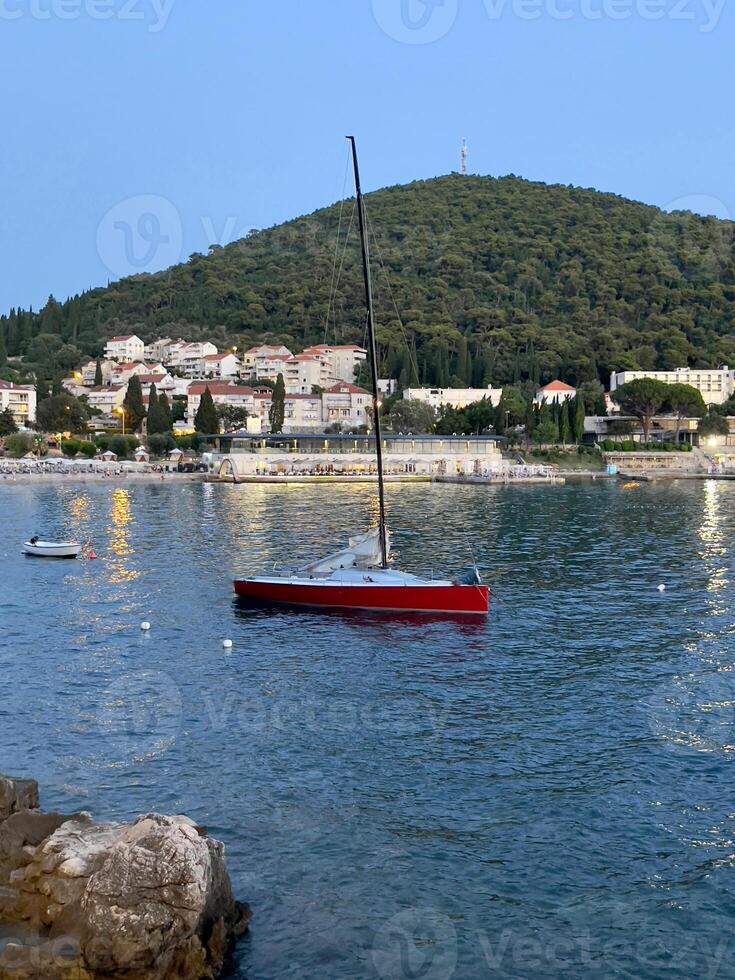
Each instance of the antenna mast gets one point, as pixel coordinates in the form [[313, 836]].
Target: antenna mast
[[463, 153]]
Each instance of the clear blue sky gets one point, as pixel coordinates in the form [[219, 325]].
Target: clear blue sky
[[233, 112]]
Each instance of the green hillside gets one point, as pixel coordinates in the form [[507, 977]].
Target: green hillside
[[476, 280]]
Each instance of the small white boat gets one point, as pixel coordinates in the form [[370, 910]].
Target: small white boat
[[52, 549]]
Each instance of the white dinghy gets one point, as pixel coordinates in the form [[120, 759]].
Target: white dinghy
[[51, 549]]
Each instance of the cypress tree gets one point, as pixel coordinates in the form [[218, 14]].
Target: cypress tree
[[98, 379], [206, 419], [42, 392], [155, 423], [578, 416], [165, 411], [277, 414], [565, 431], [133, 404], [463, 361]]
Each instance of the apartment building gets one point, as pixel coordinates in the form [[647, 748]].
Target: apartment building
[[438, 398], [346, 404], [128, 348], [343, 360], [223, 393], [20, 399], [716, 385]]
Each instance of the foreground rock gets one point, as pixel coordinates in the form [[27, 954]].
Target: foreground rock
[[81, 900]]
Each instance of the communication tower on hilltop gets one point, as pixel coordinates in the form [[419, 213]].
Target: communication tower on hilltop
[[463, 154]]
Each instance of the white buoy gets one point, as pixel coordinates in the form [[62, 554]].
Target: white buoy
[[145, 627], [227, 644], [662, 588]]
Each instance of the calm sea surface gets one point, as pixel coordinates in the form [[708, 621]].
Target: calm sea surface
[[546, 794]]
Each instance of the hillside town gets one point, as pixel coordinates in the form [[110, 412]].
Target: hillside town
[[320, 394]]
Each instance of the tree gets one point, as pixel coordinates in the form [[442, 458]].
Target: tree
[[165, 410], [565, 429], [577, 415], [133, 404], [19, 444], [686, 402], [411, 416], [42, 390], [98, 379], [713, 424], [277, 414], [7, 423], [546, 431], [61, 413], [232, 416], [206, 420], [161, 443], [644, 398], [158, 415]]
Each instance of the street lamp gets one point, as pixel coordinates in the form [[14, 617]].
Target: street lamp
[[121, 412]]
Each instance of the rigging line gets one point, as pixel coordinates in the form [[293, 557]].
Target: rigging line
[[413, 362], [336, 247], [341, 267]]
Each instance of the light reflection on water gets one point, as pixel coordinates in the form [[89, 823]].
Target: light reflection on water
[[561, 771]]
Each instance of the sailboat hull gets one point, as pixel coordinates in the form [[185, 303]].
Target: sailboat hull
[[450, 598]]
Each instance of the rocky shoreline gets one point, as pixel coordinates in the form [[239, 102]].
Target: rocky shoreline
[[84, 900]]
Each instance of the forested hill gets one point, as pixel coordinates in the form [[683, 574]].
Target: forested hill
[[495, 280]]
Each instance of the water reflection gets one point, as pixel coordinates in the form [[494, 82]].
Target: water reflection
[[121, 518]]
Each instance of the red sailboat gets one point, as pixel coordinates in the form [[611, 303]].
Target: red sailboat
[[359, 576]]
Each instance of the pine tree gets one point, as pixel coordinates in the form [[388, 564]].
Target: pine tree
[[277, 414], [133, 404], [7, 423], [206, 419], [3, 350], [98, 379]]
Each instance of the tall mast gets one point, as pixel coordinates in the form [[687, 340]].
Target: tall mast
[[373, 350]]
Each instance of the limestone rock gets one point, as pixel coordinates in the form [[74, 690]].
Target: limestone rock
[[81, 900], [17, 794]]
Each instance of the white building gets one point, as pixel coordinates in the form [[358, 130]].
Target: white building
[[268, 368], [89, 370], [555, 392], [106, 398], [301, 412], [262, 352], [128, 348], [188, 357], [343, 360], [303, 372], [158, 350], [20, 399], [454, 397], [122, 373], [220, 366], [716, 385], [223, 393], [163, 381], [347, 405]]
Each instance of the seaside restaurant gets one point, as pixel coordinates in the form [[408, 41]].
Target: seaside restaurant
[[241, 454]]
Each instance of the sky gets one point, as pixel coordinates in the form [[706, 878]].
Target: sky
[[136, 132]]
